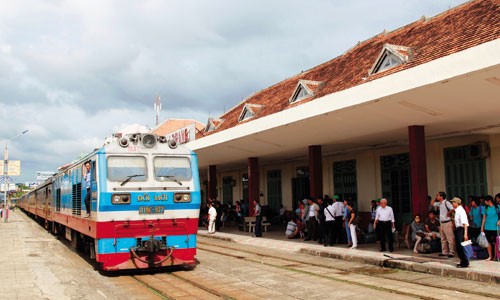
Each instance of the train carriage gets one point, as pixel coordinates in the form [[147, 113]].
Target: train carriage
[[144, 203]]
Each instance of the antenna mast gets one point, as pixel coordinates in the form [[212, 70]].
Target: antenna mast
[[157, 106]]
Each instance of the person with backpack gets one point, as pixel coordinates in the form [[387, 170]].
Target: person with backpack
[[490, 225], [446, 229]]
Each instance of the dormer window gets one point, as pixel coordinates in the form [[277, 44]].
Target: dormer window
[[213, 124], [249, 111], [303, 90], [391, 56]]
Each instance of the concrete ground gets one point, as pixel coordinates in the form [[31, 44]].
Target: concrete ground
[[402, 258], [35, 265]]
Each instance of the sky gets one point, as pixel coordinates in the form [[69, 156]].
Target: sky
[[72, 72]]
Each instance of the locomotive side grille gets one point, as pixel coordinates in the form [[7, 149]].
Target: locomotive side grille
[[58, 200], [76, 197]]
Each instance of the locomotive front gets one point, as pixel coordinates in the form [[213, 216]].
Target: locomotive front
[[148, 205]]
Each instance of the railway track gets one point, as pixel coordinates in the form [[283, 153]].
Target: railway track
[[233, 271], [418, 285]]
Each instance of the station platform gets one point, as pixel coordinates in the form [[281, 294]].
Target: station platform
[[401, 258], [34, 264]]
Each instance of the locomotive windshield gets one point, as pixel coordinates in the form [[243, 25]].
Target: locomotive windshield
[[172, 168], [130, 168]]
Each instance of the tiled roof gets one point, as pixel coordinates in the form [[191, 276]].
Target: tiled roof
[[171, 125], [466, 26]]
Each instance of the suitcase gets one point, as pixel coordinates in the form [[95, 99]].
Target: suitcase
[[435, 245], [370, 237], [479, 253]]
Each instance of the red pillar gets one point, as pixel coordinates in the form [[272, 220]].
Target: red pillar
[[212, 182], [253, 182], [418, 170], [315, 171]]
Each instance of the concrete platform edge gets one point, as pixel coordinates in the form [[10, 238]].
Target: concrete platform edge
[[390, 263]]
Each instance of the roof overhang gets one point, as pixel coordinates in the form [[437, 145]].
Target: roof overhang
[[456, 94]]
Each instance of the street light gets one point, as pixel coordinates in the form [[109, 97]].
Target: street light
[[5, 176]]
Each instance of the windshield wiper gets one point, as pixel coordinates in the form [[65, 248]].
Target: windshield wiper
[[130, 178], [172, 178]]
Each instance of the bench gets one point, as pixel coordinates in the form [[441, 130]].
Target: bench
[[250, 223]]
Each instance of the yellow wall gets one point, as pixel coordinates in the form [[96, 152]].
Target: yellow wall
[[368, 170]]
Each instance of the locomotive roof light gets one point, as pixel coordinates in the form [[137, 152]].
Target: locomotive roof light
[[134, 138], [149, 140], [123, 142], [172, 143], [162, 139]]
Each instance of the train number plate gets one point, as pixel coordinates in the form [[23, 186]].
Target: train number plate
[[147, 210]]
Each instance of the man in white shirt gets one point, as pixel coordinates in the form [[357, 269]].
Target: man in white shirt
[[461, 225], [384, 222], [330, 223], [338, 213], [446, 228], [212, 214], [258, 218], [312, 222]]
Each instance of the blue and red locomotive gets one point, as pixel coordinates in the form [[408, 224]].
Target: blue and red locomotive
[[144, 203]]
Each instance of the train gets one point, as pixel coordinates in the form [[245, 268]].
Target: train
[[143, 193]]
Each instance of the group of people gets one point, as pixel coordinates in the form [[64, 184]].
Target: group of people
[[218, 213], [322, 219], [458, 223]]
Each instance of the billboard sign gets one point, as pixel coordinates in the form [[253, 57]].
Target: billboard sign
[[14, 168], [183, 135], [43, 175]]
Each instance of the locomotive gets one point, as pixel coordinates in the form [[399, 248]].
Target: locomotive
[[144, 201]]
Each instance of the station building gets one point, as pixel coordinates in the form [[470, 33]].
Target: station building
[[402, 115]]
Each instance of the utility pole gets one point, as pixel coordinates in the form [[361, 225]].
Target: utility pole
[[157, 106], [5, 174]]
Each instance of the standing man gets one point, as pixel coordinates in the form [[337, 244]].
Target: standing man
[[321, 219], [446, 228], [329, 222], [258, 219], [338, 213], [212, 215], [461, 224], [312, 223], [384, 221], [347, 217], [87, 178]]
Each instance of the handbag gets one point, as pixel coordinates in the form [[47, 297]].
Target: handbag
[[467, 245], [482, 240]]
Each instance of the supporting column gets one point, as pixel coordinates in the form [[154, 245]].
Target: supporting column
[[212, 182], [315, 171], [418, 170], [253, 182]]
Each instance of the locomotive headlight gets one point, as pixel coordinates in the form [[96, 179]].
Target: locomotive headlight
[[149, 140], [182, 197], [120, 199]]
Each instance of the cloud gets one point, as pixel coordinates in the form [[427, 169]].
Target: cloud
[[73, 71]]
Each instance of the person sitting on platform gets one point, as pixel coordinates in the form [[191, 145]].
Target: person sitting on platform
[[293, 228], [431, 231], [417, 231]]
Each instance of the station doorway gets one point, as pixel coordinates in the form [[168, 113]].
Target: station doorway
[[396, 186], [465, 171]]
